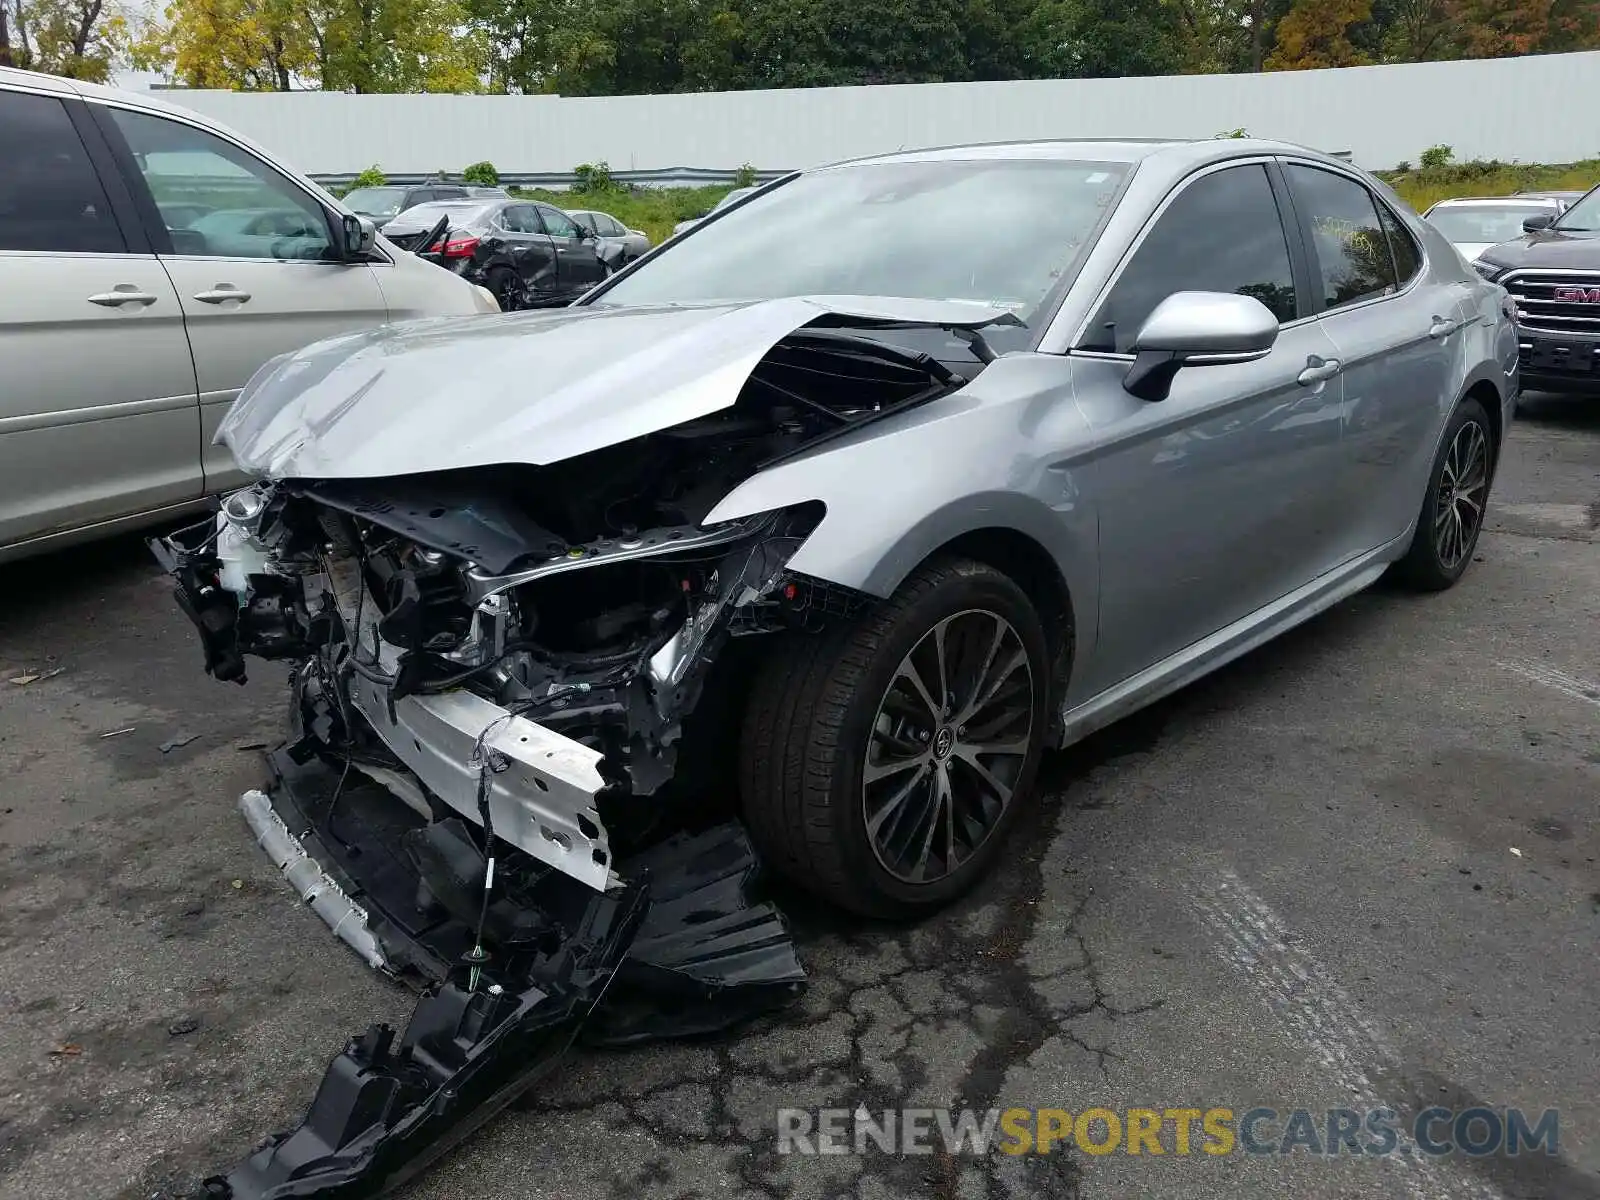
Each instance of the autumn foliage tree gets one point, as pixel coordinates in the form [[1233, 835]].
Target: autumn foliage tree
[[81, 39], [1316, 33]]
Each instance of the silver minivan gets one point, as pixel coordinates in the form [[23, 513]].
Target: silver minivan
[[150, 262]]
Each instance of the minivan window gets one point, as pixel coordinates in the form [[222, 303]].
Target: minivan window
[[246, 209], [1221, 234], [50, 194], [1352, 251]]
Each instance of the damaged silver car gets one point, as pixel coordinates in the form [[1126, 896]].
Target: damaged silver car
[[819, 524]]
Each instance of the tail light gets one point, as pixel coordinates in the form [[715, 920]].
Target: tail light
[[459, 247]]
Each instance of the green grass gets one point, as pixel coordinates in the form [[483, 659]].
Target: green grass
[[1426, 186], [657, 210], [654, 210]]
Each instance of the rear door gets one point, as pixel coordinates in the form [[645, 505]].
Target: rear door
[[247, 296], [98, 414], [1398, 337], [577, 262], [532, 250]]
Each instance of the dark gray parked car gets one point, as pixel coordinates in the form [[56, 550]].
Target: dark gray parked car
[[617, 245]]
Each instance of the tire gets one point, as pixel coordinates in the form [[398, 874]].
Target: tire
[[1442, 545], [502, 281], [824, 708]]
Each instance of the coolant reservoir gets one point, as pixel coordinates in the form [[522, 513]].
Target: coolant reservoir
[[238, 550]]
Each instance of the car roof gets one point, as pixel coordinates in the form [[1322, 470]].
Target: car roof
[[1520, 199], [1177, 156]]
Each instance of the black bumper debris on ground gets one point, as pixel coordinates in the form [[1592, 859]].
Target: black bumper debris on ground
[[680, 950]]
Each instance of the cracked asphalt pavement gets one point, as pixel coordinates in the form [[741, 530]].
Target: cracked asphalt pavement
[[1293, 884]]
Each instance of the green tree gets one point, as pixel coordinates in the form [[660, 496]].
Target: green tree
[[1103, 38], [481, 173]]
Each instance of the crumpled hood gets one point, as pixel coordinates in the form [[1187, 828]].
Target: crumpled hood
[[529, 388]]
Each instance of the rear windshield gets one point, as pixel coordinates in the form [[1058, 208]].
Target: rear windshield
[[375, 201], [424, 216], [1485, 222]]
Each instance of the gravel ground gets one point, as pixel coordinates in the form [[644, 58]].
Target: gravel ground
[[1293, 884]]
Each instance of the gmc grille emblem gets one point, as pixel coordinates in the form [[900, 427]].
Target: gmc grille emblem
[[1577, 295]]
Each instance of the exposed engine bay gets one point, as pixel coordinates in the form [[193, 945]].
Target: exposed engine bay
[[484, 790]]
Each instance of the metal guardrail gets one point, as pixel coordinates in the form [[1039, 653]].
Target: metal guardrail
[[561, 181]]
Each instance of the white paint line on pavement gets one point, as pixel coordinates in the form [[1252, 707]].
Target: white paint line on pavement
[[1320, 1014], [1557, 680]]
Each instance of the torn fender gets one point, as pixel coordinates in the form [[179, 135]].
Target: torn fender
[[477, 391]]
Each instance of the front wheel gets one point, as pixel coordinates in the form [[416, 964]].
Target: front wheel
[[884, 763], [1454, 506]]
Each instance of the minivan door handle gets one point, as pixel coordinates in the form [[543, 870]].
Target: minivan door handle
[[221, 294], [1442, 327], [1318, 370], [123, 293]]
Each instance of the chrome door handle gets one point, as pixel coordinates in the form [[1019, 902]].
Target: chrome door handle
[[1318, 370], [123, 293], [221, 294], [1442, 327]]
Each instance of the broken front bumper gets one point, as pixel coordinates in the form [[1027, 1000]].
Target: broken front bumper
[[679, 950], [376, 816]]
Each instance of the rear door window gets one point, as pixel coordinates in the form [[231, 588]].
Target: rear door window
[[1351, 249], [1221, 234], [1407, 255], [51, 199]]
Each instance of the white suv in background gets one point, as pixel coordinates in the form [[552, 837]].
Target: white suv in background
[[150, 262]]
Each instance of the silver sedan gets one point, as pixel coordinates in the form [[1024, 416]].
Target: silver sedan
[[876, 487]]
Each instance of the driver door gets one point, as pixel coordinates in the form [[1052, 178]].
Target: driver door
[[254, 273], [1221, 498], [576, 259]]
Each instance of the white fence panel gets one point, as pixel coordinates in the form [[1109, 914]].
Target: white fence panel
[[1535, 109]]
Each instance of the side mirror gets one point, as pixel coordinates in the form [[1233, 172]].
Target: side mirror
[[1195, 329], [1535, 223], [358, 236]]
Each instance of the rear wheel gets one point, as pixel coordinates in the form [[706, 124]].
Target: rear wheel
[[1453, 508], [884, 763], [502, 281]]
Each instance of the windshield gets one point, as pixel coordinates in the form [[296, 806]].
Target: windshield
[[1584, 215], [375, 201], [733, 196], [1466, 223], [424, 216], [998, 232]]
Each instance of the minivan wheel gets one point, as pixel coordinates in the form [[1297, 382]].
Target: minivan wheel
[[883, 763], [1456, 501]]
